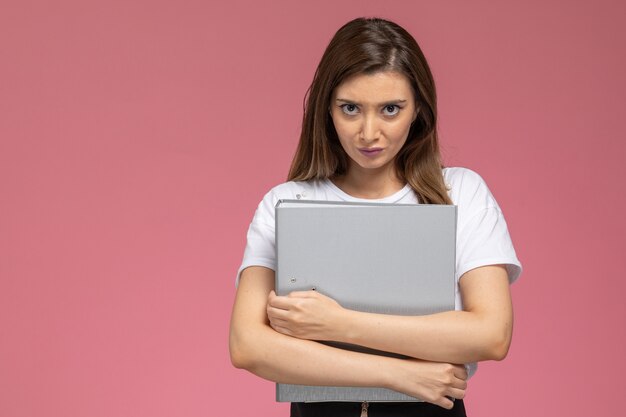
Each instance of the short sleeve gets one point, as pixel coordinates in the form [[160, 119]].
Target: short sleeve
[[482, 233], [260, 246], [484, 240]]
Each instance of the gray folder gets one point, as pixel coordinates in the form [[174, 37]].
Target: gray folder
[[374, 257]]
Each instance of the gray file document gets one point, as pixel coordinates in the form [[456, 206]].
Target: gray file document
[[374, 257]]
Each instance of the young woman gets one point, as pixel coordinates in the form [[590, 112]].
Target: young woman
[[369, 134]]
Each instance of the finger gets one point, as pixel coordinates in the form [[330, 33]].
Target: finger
[[445, 403], [281, 329], [280, 323], [271, 296], [459, 394], [274, 312], [277, 314], [281, 302], [303, 294], [459, 384], [460, 372]]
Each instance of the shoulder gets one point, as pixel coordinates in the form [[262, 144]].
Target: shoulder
[[482, 233], [291, 190], [295, 190], [460, 177], [468, 189]]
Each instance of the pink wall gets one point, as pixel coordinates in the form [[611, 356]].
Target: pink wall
[[137, 137]]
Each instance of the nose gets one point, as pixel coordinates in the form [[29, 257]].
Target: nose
[[369, 129]]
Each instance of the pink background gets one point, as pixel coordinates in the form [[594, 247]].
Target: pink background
[[137, 137]]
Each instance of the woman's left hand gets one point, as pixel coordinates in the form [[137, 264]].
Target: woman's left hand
[[305, 315]]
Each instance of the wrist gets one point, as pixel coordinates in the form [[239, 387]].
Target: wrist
[[343, 326], [392, 373]]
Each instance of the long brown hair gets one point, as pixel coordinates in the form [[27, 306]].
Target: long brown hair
[[367, 46]]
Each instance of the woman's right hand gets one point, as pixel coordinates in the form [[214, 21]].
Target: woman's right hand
[[433, 382]]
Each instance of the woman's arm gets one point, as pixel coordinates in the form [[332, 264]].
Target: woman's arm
[[255, 346], [481, 332]]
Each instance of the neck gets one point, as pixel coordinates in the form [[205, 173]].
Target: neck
[[367, 184]]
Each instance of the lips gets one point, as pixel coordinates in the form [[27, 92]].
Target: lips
[[371, 152]]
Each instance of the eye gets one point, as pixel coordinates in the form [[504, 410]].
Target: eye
[[391, 110], [349, 109]]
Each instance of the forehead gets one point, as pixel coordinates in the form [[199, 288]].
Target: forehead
[[378, 87]]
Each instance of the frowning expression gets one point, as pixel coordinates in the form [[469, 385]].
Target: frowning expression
[[372, 114]]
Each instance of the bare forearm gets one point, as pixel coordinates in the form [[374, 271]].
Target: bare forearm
[[455, 336], [255, 346], [262, 350], [482, 332], [285, 359]]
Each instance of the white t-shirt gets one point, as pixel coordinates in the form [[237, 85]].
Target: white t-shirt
[[482, 234]]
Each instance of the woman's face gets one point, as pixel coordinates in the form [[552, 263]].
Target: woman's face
[[372, 114]]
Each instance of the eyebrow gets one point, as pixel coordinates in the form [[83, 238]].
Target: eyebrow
[[343, 100]]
